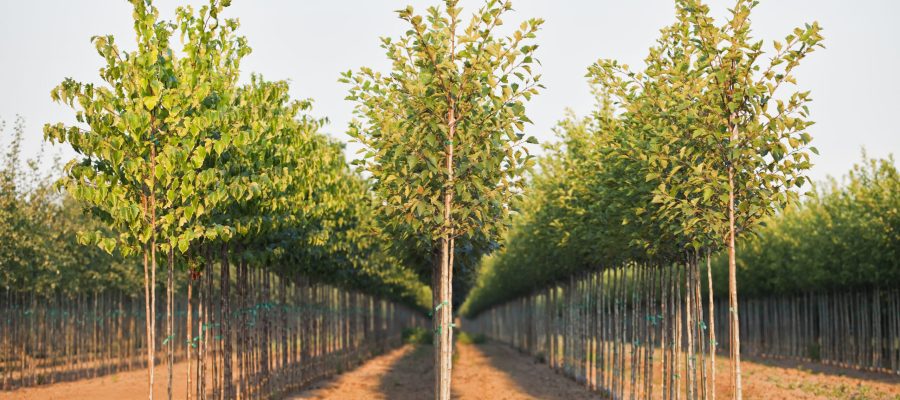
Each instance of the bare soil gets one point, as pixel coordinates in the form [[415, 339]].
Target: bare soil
[[489, 371], [492, 371], [797, 380], [402, 374], [121, 386]]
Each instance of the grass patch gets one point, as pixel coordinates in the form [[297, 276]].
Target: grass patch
[[466, 338], [814, 352], [417, 335]]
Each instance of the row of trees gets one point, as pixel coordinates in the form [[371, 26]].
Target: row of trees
[[848, 328], [820, 275], [188, 168], [281, 332], [845, 238], [676, 162], [39, 253], [636, 331], [610, 328]]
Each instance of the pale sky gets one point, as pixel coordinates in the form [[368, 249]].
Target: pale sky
[[855, 82]]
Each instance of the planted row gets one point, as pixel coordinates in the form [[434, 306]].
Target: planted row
[[676, 162], [189, 168], [844, 238]]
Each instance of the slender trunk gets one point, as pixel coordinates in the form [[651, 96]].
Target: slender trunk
[[152, 313], [148, 302], [689, 332], [664, 329], [225, 312], [442, 324], [677, 345], [152, 267], [189, 342], [637, 338], [712, 329], [203, 319], [735, 344], [701, 329], [444, 306], [170, 329], [242, 327]]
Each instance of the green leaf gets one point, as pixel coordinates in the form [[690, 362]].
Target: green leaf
[[150, 102]]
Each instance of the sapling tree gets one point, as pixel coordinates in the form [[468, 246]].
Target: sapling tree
[[725, 147], [149, 129], [119, 150], [441, 136], [761, 147]]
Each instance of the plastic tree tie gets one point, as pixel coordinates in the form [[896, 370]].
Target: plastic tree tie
[[436, 308]]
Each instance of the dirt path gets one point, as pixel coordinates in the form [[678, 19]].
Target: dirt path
[[493, 371], [402, 374], [489, 371]]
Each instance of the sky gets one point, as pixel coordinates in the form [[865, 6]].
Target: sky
[[855, 82]]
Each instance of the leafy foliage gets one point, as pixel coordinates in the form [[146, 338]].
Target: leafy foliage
[[180, 158], [706, 119], [456, 94], [847, 237], [39, 253], [649, 177]]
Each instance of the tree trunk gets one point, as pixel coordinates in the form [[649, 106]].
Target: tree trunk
[[190, 331], [712, 330], [689, 332], [152, 311], [170, 329], [152, 204], [148, 302], [225, 311], [442, 323], [444, 307], [735, 345]]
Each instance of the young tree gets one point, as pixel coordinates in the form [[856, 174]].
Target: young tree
[[119, 151], [759, 134], [724, 146], [150, 129], [442, 141]]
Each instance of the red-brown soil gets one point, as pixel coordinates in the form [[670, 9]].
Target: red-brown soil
[[493, 371], [121, 386], [488, 371]]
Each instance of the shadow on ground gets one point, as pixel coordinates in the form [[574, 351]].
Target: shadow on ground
[[410, 377], [826, 370], [507, 367], [402, 374], [482, 372]]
